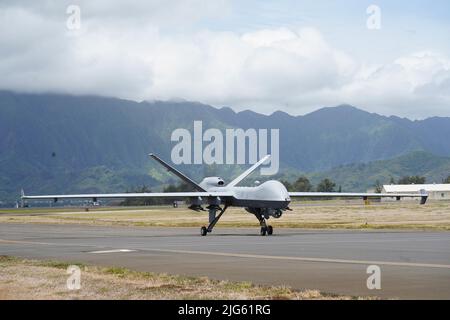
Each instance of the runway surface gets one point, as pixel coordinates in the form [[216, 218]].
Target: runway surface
[[413, 264]]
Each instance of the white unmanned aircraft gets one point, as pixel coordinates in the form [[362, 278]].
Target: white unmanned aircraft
[[266, 200]]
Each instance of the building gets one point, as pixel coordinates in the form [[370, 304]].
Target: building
[[435, 191]]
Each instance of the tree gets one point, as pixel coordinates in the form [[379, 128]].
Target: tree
[[153, 201], [326, 185], [288, 185], [302, 185], [139, 201], [378, 187], [447, 180], [412, 180], [182, 187]]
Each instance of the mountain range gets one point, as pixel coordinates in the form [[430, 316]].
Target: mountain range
[[63, 143], [364, 176]]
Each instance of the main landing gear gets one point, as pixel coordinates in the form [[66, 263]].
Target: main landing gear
[[213, 218], [212, 209]]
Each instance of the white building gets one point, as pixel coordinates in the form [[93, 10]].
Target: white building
[[435, 191]]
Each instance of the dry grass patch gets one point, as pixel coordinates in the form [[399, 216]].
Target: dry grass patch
[[315, 214], [34, 279]]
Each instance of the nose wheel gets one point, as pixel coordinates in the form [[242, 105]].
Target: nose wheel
[[263, 231], [266, 231]]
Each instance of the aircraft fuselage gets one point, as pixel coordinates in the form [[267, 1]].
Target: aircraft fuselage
[[270, 194]]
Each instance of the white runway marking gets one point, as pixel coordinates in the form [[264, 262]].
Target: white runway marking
[[244, 255], [113, 251], [307, 259]]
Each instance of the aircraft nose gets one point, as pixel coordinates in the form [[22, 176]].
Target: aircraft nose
[[278, 191], [285, 195]]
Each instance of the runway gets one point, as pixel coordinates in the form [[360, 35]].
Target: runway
[[414, 264]]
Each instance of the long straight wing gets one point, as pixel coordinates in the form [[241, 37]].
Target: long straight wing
[[128, 195], [248, 171], [423, 195], [180, 175]]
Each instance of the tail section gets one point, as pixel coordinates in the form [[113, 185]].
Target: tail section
[[248, 171]]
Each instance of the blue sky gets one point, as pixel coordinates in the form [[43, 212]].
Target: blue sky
[[406, 25]]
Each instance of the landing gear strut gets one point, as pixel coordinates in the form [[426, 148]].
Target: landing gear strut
[[212, 209], [265, 229]]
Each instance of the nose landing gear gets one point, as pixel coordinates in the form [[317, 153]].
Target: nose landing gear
[[265, 229]]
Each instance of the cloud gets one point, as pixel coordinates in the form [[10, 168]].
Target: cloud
[[413, 86], [149, 50]]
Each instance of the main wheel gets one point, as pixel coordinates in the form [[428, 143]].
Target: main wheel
[[263, 231], [203, 231], [269, 230]]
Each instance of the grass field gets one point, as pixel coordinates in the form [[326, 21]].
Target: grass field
[[33, 279], [314, 214]]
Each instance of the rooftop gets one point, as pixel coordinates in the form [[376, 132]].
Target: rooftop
[[416, 187]]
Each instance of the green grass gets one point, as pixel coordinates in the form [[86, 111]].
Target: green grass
[[59, 264]]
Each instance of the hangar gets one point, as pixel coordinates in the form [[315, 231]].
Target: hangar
[[435, 191]]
